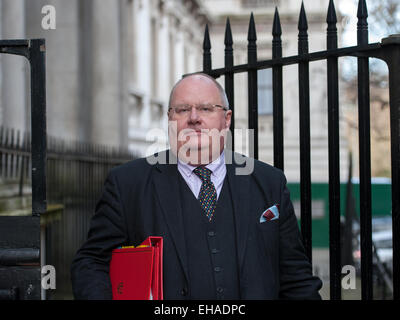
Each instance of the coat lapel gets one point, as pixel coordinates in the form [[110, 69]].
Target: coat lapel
[[240, 191], [166, 185]]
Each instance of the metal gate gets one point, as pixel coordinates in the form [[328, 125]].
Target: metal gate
[[387, 50], [20, 274]]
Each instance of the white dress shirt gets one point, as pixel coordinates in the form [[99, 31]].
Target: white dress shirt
[[218, 172]]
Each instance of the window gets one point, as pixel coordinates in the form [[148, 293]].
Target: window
[[265, 106]]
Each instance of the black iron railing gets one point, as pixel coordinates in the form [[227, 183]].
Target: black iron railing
[[389, 51], [75, 175]]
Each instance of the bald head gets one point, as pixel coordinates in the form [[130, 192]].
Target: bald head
[[203, 81]]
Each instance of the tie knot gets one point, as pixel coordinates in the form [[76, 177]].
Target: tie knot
[[203, 173]]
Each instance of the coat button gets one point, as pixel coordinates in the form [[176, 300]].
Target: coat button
[[184, 291]]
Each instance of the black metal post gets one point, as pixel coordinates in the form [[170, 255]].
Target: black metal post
[[229, 77], [365, 157], [252, 86], [277, 94], [305, 165], [334, 170], [37, 51]]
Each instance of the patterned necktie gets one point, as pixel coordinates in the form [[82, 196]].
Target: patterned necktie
[[208, 194]]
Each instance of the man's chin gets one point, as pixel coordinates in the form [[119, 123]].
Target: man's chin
[[193, 155], [197, 156], [194, 145]]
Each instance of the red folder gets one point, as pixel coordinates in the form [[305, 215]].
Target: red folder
[[136, 273]]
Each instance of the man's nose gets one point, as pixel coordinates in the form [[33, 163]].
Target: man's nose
[[194, 115]]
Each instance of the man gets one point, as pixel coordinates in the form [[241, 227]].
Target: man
[[226, 235]]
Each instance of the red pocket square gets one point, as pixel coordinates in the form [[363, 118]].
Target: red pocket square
[[271, 213]]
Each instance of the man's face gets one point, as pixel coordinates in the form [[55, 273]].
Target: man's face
[[197, 135]]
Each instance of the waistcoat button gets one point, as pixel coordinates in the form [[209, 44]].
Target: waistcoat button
[[184, 291]]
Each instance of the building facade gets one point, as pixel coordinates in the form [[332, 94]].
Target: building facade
[[109, 66]]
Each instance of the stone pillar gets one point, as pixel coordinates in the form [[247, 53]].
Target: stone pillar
[[172, 40], [106, 69], [163, 59], [62, 65], [127, 71], [179, 54], [164, 68], [13, 69], [63, 71], [143, 44]]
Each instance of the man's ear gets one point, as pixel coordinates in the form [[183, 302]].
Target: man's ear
[[228, 117]]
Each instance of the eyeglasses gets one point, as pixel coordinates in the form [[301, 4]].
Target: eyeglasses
[[202, 109]]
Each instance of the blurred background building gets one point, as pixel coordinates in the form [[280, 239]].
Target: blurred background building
[[110, 65]]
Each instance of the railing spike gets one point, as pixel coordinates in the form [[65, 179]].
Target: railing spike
[[331, 19], [362, 12], [303, 35], [276, 29], [206, 51], [252, 35], [228, 34], [303, 25], [206, 42], [362, 24], [331, 16]]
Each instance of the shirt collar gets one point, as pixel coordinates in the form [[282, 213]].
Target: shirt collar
[[216, 166]]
